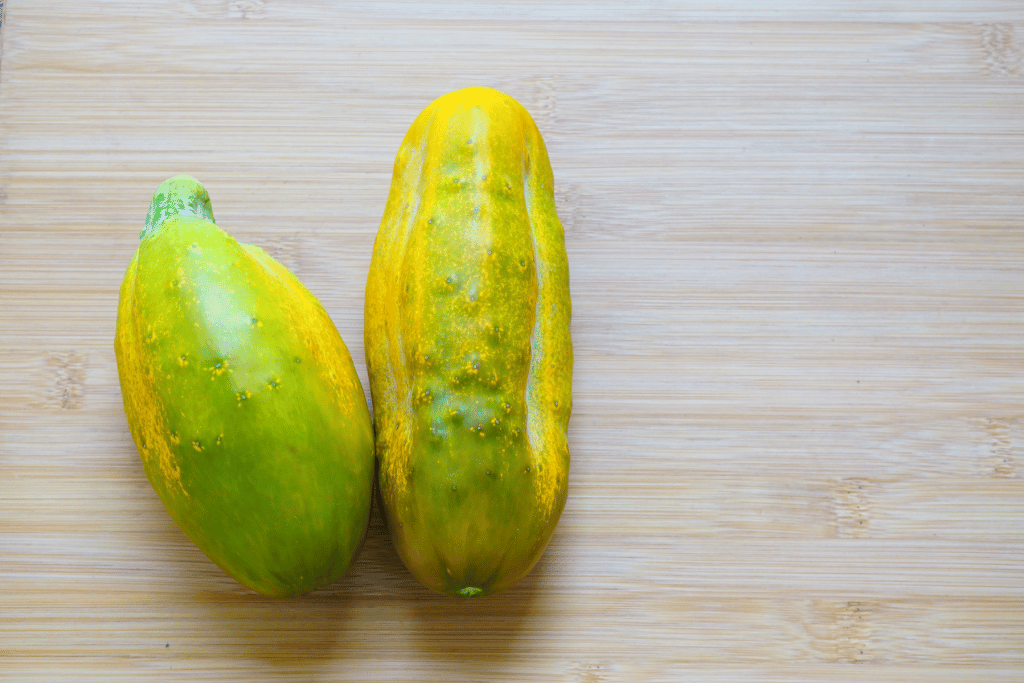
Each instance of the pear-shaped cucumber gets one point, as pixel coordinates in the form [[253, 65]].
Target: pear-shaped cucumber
[[243, 401]]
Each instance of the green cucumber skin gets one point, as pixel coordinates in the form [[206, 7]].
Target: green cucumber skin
[[245, 407]]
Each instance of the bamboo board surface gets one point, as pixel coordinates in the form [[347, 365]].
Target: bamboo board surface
[[796, 242]]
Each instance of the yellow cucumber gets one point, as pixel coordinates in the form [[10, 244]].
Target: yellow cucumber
[[467, 345]]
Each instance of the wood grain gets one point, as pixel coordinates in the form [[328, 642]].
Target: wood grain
[[796, 241]]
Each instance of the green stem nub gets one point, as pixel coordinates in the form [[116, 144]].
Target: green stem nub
[[470, 592], [181, 195]]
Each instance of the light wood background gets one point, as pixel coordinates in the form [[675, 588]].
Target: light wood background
[[796, 240]]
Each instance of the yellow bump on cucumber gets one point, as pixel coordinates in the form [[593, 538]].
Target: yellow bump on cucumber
[[243, 401], [468, 349]]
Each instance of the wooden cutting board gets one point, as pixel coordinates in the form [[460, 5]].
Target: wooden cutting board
[[796, 240]]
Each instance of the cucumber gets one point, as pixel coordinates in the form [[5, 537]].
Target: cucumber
[[243, 401], [468, 347]]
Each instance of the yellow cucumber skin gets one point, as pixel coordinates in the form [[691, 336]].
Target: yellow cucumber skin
[[468, 346], [243, 402]]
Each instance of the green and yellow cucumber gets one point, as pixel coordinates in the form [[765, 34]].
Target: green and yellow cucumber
[[468, 349], [243, 401]]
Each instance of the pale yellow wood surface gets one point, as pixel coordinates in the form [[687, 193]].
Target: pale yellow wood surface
[[796, 240]]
